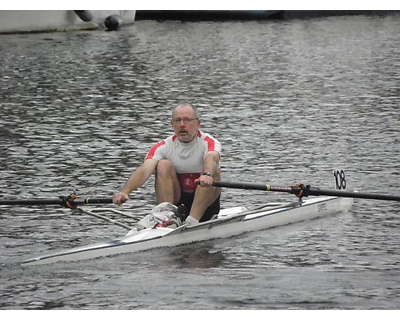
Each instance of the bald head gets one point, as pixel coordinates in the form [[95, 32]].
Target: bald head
[[185, 105]]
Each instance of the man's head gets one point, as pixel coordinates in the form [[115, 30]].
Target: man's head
[[185, 121]]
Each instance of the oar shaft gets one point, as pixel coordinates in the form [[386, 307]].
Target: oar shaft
[[61, 202], [31, 202], [250, 186], [308, 191], [348, 194]]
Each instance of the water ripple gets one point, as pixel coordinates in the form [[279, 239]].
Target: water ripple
[[290, 101]]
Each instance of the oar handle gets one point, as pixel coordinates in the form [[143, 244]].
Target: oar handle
[[93, 201]]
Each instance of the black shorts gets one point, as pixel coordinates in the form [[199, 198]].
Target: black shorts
[[187, 200]]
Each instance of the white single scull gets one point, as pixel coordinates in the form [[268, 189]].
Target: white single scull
[[230, 222]]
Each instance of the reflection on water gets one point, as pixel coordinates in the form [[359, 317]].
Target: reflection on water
[[289, 100], [197, 257]]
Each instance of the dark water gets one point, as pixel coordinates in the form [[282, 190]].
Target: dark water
[[289, 100]]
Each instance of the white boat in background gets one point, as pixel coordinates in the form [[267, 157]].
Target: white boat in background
[[30, 21], [230, 222]]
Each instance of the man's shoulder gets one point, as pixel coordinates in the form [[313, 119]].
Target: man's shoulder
[[162, 143], [204, 136]]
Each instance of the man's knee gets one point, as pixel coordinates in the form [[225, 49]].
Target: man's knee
[[164, 167]]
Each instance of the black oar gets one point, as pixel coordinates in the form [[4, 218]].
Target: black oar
[[304, 191], [70, 201]]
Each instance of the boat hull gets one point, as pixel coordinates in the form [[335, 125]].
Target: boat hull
[[228, 224], [27, 21]]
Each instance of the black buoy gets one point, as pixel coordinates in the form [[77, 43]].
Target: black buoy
[[85, 15], [113, 22]]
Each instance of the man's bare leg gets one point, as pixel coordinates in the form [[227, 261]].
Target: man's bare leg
[[167, 184], [203, 198]]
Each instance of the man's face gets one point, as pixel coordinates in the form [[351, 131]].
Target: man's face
[[185, 124]]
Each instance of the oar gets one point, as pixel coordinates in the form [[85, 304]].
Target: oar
[[305, 191], [68, 202]]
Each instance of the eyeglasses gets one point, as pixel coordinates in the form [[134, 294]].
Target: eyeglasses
[[185, 120]]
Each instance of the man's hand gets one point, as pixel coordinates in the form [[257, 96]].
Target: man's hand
[[205, 180], [120, 198]]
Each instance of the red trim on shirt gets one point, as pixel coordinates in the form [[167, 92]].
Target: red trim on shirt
[[153, 149], [210, 143]]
